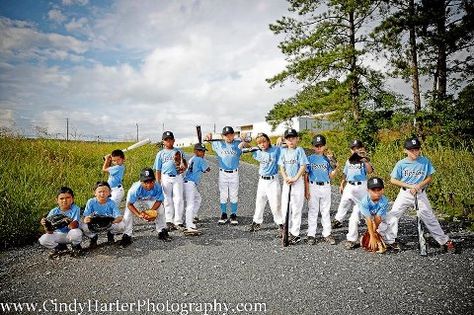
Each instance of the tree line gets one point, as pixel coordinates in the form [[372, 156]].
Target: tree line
[[331, 47]]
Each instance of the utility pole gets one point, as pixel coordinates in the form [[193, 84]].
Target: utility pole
[[137, 131], [67, 129]]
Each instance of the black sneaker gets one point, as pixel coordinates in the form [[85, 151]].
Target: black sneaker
[[164, 236], [394, 246], [310, 240], [254, 227], [170, 226], [58, 251], [350, 245], [110, 238], [196, 220], [233, 219], [93, 242], [293, 240], [335, 224], [223, 219], [126, 240], [330, 240], [76, 250], [180, 227]]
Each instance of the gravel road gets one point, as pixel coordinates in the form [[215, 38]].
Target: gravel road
[[236, 271]]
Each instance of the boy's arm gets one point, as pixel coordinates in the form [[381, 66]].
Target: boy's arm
[[306, 186], [158, 176], [413, 188], [343, 182], [373, 236], [283, 173], [368, 166], [107, 163]]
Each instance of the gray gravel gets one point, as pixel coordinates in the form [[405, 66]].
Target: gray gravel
[[230, 265]]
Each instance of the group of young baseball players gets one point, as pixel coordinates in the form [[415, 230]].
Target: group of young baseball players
[[171, 189]]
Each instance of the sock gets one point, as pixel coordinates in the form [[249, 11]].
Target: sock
[[233, 207], [223, 208]]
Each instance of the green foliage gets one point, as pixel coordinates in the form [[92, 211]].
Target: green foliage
[[33, 170]]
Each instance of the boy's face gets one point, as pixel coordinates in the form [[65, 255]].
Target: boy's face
[[357, 150], [65, 200], [291, 142], [375, 194], [199, 153], [168, 143], [229, 137], [319, 149], [263, 143], [102, 193], [117, 160], [413, 154], [148, 184]]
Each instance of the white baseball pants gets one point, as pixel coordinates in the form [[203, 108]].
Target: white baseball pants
[[73, 237], [268, 190], [296, 205], [116, 228], [173, 203], [142, 205], [228, 186], [117, 194], [193, 202], [405, 200], [319, 201], [351, 195]]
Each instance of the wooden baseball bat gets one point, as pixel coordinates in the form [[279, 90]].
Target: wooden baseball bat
[[199, 133], [137, 145]]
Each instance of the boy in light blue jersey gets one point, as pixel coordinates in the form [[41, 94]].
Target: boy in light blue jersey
[[170, 177], [197, 166], [228, 153], [413, 174], [292, 163], [373, 207], [146, 194], [114, 165], [318, 191], [356, 170], [268, 183], [102, 205], [57, 240]]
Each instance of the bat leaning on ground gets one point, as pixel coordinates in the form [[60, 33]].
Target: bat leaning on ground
[[284, 239], [421, 231]]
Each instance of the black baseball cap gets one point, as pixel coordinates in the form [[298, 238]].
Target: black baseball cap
[[412, 143], [227, 129], [356, 144], [147, 174], [167, 135], [375, 182], [200, 147], [290, 133], [319, 140]]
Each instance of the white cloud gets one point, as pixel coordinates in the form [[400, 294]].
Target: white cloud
[[75, 2], [56, 15]]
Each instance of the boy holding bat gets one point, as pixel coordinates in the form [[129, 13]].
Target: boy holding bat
[[113, 164]]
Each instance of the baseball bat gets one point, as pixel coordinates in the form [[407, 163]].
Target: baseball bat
[[421, 231], [285, 241], [199, 133], [137, 145]]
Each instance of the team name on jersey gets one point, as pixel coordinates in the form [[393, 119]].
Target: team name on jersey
[[355, 166], [267, 161], [228, 152], [168, 158], [319, 166], [290, 161], [413, 173]]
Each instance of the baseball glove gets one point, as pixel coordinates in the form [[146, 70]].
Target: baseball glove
[[365, 240], [150, 215], [100, 223], [332, 160], [56, 221], [179, 162]]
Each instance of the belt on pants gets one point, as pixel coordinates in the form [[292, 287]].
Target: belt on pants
[[404, 188], [267, 177], [119, 186], [170, 175], [355, 183], [228, 171], [319, 183]]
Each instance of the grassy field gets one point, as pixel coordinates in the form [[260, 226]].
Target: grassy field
[[31, 171]]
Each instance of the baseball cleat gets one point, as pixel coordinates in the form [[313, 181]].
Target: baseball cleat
[[93, 242], [164, 236], [126, 240], [335, 224], [330, 240], [76, 250], [293, 240], [254, 227], [170, 226], [233, 219], [110, 238], [191, 232], [310, 240], [223, 219], [196, 220], [59, 250], [350, 245]]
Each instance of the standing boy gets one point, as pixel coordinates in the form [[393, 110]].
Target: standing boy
[[197, 166], [228, 154], [413, 174], [318, 191], [356, 169], [170, 177], [113, 164], [293, 163], [145, 194]]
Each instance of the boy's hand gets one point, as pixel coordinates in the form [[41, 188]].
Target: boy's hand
[[208, 136], [108, 157], [290, 180], [43, 221], [87, 220], [373, 244], [73, 225]]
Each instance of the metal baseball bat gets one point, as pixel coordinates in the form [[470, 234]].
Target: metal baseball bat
[[285, 241], [199, 133], [421, 231], [137, 145]]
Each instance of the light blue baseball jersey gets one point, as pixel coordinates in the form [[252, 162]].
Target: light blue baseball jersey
[[319, 168], [268, 160], [228, 154], [74, 213], [116, 175], [138, 192], [355, 172], [413, 172], [109, 209], [370, 209], [292, 160], [164, 161], [196, 166]]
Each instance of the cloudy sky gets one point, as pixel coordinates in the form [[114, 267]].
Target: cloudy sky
[[109, 65]]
